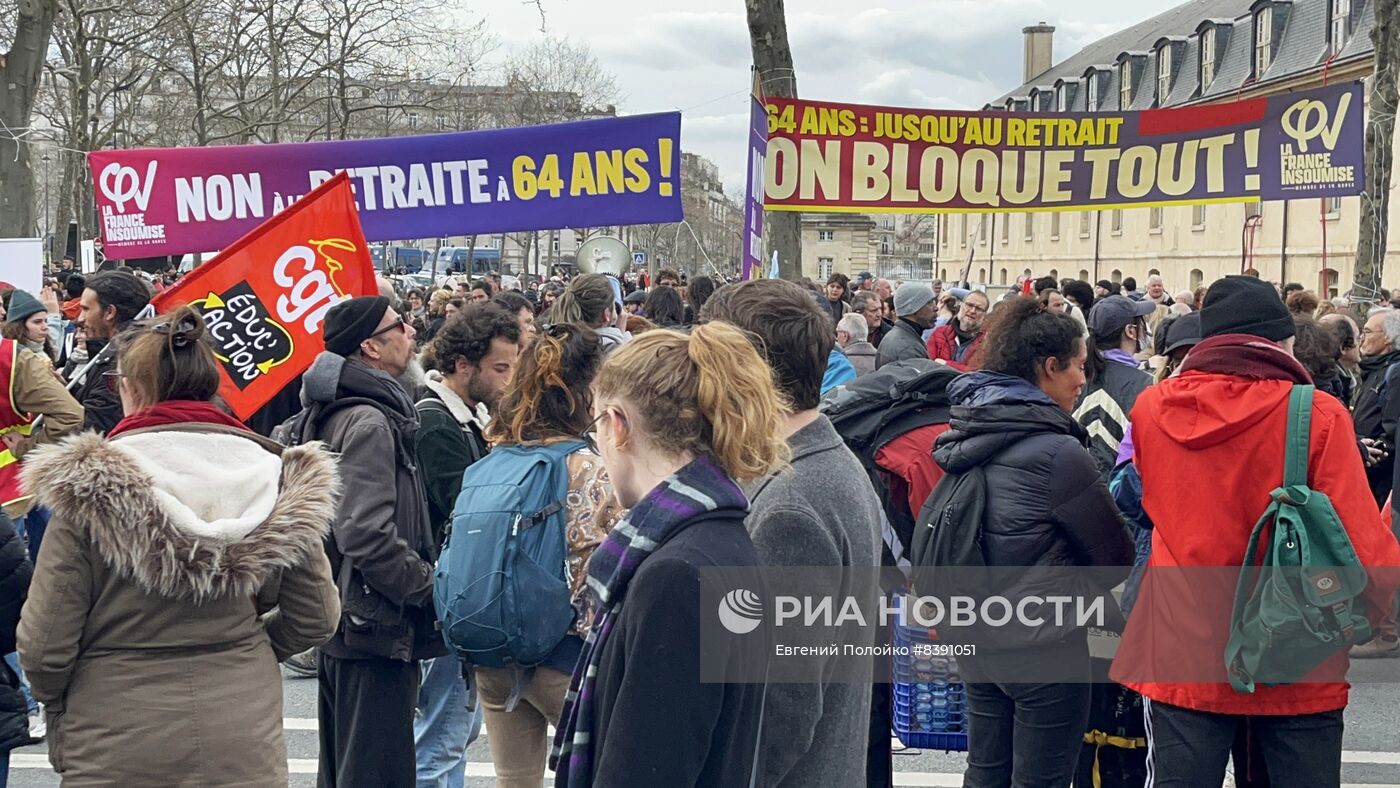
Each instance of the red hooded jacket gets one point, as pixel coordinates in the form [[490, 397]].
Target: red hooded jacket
[[1209, 447]]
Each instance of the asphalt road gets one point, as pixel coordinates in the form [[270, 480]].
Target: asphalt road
[[1371, 749]]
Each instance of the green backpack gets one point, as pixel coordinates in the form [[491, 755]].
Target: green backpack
[[1302, 602]]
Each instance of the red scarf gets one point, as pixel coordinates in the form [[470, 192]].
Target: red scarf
[[1245, 356], [176, 411], [71, 308]]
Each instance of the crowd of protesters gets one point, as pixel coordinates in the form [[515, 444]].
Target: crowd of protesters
[[176, 553]]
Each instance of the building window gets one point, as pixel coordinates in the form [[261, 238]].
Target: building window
[[1207, 58], [1196, 278], [1164, 75], [1001, 277], [1083, 275], [1263, 40], [1055, 226], [1062, 99], [1091, 86], [1030, 226], [964, 235], [413, 120], [1125, 84], [982, 229], [1198, 217], [1117, 222], [824, 266], [1154, 218], [1334, 207], [1116, 277], [1084, 224], [826, 235], [1006, 229], [1341, 24], [981, 276], [1329, 279]]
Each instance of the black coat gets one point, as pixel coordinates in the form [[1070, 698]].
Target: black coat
[[1376, 415], [15, 572], [655, 723], [1048, 506], [102, 405]]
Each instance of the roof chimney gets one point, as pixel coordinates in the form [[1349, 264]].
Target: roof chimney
[[1040, 50]]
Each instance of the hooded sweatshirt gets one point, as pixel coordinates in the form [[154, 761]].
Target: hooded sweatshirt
[[1209, 446]]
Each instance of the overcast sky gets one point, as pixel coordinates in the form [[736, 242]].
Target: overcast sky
[[693, 55]]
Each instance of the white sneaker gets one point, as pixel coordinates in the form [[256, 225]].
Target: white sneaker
[[38, 727]]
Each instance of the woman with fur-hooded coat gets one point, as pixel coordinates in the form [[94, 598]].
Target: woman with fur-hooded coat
[[183, 561]]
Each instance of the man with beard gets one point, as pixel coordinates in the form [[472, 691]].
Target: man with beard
[[110, 301], [468, 365], [955, 342]]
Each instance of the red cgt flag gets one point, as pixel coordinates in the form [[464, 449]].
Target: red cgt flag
[[264, 297]]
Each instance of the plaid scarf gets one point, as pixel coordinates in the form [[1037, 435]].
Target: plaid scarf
[[699, 488]]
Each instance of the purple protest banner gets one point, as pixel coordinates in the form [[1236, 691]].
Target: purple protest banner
[[168, 201], [828, 157], [753, 193]]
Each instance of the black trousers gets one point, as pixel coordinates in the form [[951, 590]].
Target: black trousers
[[365, 713], [1025, 735], [1187, 748]]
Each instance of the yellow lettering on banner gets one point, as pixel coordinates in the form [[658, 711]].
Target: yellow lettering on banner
[[1088, 132], [1020, 176], [847, 126], [582, 181], [1068, 133], [780, 173], [1112, 125], [981, 173], [1057, 176], [899, 175], [974, 133], [991, 132], [638, 179], [809, 121], [549, 176], [938, 175], [1137, 171], [870, 181], [608, 165], [1215, 160], [1016, 132], [1176, 175], [1033, 127], [1102, 160], [523, 175], [820, 165]]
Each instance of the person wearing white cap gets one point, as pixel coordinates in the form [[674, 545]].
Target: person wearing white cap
[[915, 309]]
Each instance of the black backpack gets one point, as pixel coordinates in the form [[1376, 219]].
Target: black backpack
[[949, 536], [873, 410]]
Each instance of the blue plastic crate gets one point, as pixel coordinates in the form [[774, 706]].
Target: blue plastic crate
[[942, 727]]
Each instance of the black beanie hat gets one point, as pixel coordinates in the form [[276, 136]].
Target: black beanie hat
[[349, 323], [1245, 305]]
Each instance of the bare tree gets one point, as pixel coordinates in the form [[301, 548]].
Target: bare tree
[[772, 57], [1380, 152], [20, 67]]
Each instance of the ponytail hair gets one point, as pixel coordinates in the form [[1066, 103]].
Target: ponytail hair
[[707, 392], [1021, 334], [585, 301], [168, 358], [548, 395]]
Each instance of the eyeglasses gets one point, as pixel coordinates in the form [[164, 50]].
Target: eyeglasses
[[399, 323], [590, 434], [113, 379], [973, 307]]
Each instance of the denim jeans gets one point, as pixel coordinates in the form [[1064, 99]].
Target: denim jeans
[[1025, 735], [444, 728], [12, 659]]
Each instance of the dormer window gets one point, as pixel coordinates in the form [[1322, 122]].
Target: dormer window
[[1062, 99], [1125, 84], [1207, 58], [1341, 25], [1263, 40], [1164, 74]]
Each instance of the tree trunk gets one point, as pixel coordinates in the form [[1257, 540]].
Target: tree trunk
[[773, 58], [1380, 154], [19, 84]]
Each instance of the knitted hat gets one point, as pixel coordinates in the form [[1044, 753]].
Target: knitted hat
[[351, 322], [1185, 331], [911, 297], [22, 307], [1245, 305]]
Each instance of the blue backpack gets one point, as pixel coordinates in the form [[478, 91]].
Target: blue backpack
[[500, 589]]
